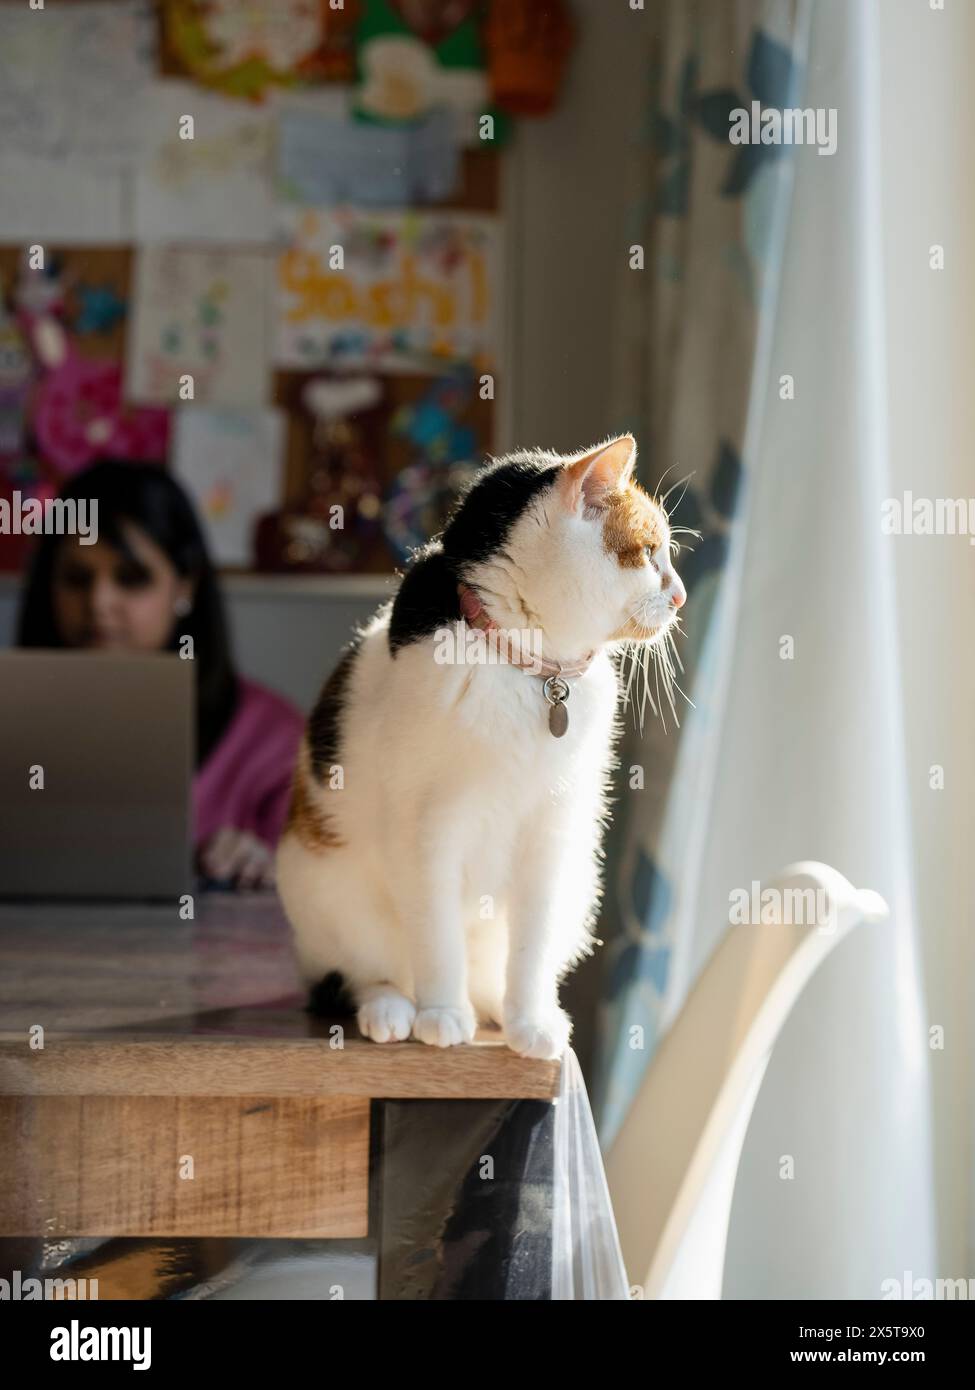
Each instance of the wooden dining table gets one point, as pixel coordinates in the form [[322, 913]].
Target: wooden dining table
[[163, 1087]]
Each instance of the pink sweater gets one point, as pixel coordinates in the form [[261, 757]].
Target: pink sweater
[[246, 780]]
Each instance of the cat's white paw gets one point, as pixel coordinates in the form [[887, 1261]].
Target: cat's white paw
[[545, 1035], [445, 1027], [386, 1017]]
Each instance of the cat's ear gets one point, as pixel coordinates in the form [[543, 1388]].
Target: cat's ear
[[586, 482]]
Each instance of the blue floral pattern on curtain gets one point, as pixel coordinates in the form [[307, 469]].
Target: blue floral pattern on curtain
[[702, 209]]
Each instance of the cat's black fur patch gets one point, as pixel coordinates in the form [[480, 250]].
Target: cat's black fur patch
[[427, 598], [480, 525], [330, 997], [325, 723]]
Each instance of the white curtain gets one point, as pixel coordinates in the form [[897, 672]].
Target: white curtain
[[803, 758], [812, 757]]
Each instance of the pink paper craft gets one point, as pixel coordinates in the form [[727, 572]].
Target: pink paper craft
[[79, 415]]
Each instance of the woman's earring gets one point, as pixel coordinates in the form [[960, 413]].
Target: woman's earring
[[181, 607]]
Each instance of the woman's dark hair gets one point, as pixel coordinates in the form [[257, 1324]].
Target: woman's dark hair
[[148, 496]]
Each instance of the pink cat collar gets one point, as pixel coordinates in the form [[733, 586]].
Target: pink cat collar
[[476, 615]]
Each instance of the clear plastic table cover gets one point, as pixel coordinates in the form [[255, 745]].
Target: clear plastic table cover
[[550, 1234], [586, 1259]]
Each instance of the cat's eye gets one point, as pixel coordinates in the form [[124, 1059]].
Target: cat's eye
[[649, 553]]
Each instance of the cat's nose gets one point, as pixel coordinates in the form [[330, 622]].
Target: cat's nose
[[676, 590]]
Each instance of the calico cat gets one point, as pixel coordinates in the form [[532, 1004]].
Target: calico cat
[[443, 845]]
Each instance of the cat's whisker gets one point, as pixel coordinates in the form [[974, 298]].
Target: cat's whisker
[[656, 676], [671, 686], [646, 664], [669, 635], [637, 692], [686, 482], [677, 687], [668, 670], [627, 664], [641, 664], [625, 671], [639, 669], [656, 491], [631, 656], [640, 690], [684, 696], [676, 546]]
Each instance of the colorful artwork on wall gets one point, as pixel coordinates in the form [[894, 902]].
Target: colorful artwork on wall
[[389, 291], [199, 315], [325, 160], [230, 463], [528, 46], [16, 373], [244, 50], [445, 456], [330, 528], [72, 80], [415, 55], [215, 187], [75, 406]]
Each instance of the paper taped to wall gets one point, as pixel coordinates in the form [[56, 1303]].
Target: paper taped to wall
[[406, 291], [230, 462], [199, 326]]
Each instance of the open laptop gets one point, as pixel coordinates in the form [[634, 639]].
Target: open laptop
[[111, 735]]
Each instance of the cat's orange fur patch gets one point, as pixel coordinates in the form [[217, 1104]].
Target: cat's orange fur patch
[[306, 819], [633, 522]]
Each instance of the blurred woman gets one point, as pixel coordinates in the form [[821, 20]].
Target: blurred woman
[[146, 584]]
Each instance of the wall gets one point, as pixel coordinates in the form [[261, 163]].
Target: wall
[[564, 203]]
